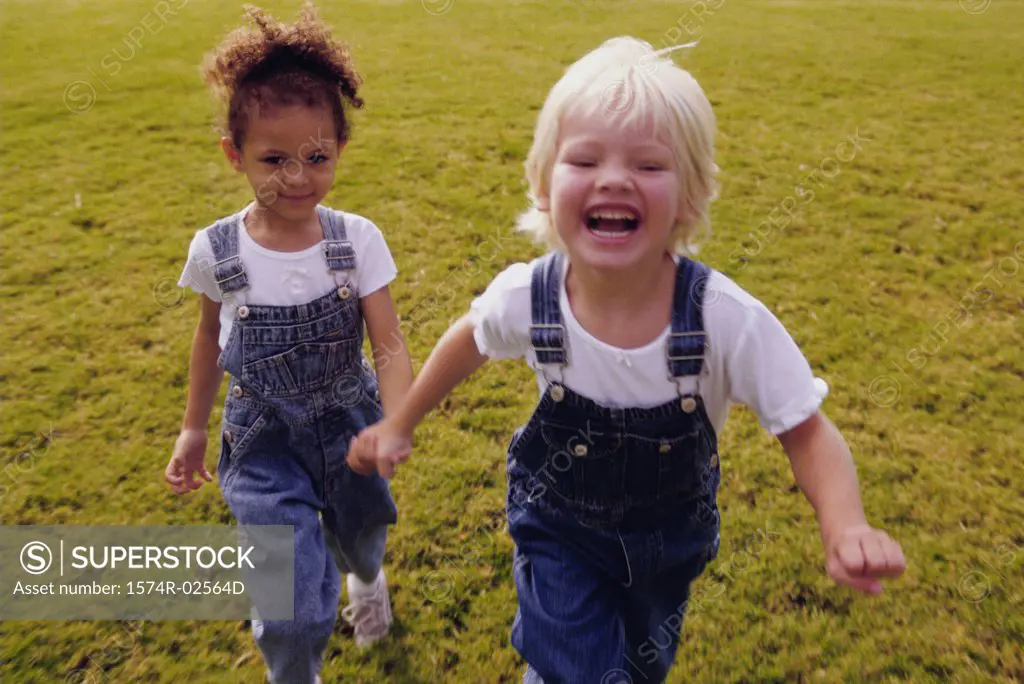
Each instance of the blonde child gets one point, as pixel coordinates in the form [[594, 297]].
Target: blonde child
[[639, 351], [286, 286]]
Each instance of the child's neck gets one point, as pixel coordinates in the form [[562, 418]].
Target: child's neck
[[278, 233], [625, 309]]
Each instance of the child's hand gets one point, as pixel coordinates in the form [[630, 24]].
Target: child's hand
[[860, 555], [186, 461], [379, 448]]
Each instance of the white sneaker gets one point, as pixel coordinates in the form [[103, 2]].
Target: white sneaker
[[370, 616]]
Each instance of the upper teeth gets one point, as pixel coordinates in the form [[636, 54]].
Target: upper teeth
[[612, 215]]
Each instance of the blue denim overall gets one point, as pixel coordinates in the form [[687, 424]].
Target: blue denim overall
[[299, 390], [613, 511]]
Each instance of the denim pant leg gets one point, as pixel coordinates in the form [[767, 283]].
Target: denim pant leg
[[267, 488], [358, 508], [362, 556], [654, 612], [568, 627]]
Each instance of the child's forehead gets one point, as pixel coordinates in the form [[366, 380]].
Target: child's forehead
[[611, 127], [287, 126]]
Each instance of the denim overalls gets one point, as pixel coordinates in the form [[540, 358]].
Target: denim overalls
[[299, 390], [613, 510]]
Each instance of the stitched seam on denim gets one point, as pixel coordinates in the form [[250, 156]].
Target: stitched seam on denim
[[372, 400], [256, 371], [650, 441], [529, 432], [254, 403], [548, 427], [257, 339], [545, 284], [284, 316], [323, 306], [303, 332], [291, 349], [687, 313], [240, 444], [630, 414], [300, 314], [334, 372]]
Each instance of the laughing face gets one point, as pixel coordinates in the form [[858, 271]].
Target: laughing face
[[615, 192]]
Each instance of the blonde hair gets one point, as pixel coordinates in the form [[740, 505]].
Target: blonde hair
[[631, 81]]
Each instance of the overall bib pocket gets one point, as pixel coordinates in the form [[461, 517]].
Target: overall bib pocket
[[583, 466], [666, 468], [304, 367]]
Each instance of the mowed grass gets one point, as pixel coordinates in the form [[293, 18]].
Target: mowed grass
[[900, 277]]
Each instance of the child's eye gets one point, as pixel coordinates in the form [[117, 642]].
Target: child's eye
[[652, 167], [273, 160], [582, 163], [317, 158]]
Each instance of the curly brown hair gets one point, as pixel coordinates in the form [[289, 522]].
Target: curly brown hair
[[278, 65]]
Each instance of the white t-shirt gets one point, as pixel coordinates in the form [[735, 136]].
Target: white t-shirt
[[288, 278], [750, 359]]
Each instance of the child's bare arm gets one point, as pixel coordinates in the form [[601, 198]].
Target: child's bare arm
[[825, 471], [382, 446], [857, 555], [453, 360], [204, 376], [390, 355]]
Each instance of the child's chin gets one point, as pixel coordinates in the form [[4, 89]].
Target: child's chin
[[611, 260]]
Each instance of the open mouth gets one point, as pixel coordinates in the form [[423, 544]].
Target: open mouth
[[612, 223]]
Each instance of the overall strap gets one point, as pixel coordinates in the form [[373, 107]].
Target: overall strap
[[547, 334], [227, 268], [337, 248], [687, 340]]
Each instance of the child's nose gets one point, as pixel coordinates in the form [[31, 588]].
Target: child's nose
[[294, 174], [613, 177]]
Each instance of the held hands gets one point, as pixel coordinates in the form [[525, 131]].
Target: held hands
[[186, 461], [860, 556], [379, 449]]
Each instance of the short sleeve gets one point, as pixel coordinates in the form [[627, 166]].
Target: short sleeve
[[768, 373], [198, 273], [501, 315], [375, 267]]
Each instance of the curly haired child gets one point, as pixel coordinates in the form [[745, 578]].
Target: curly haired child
[[286, 287]]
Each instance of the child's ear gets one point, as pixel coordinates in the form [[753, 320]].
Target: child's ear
[[233, 154]]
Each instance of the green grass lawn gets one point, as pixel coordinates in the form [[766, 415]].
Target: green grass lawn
[[901, 279]]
